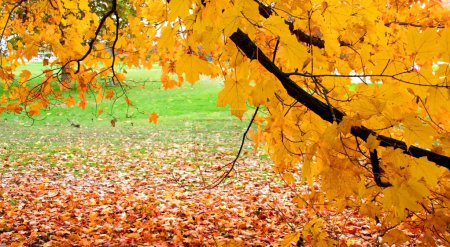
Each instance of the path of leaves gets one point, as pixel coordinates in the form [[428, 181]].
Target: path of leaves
[[128, 195]]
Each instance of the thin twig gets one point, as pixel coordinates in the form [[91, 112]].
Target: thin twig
[[97, 32], [233, 163], [275, 50]]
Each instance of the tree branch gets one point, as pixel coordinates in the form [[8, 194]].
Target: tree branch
[[324, 111], [266, 12], [376, 170], [233, 163], [97, 32]]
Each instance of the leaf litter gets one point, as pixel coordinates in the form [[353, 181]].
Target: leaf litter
[[135, 191]]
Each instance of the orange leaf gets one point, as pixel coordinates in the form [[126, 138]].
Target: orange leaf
[[128, 101], [24, 76], [14, 107], [153, 118], [134, 235], [70, 101], [109, 94], [35, 110], [3, 100], [120, 77], [113, 122], [83, 103], [100, 111]]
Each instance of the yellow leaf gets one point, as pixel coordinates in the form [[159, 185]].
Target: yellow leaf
[[14, 93], [403, 197], [366, 107], [444, 44], [276, 25], [290, 239], [98, 97], [422, 44], [167, 39], [396, 237], [192, 67], [179, 8], [234, 95], [437, 99], [231, 20], [240, 13], [331, 133], [427, 170], [289, 178], [299, 202], [417, 132], [372, 142], [120, 77], [294, 52], [3, 99], [24, 76]]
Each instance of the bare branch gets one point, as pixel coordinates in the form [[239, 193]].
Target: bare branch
[[233, 163]]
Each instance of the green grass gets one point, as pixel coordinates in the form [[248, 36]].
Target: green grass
[[188, 113]]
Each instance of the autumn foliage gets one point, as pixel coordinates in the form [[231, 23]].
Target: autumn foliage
[[352, 96]]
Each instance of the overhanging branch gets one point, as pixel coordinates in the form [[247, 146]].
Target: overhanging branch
[[112, 11], [246, 45]]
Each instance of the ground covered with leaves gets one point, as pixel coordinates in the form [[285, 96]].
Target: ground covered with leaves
[[116, 189]]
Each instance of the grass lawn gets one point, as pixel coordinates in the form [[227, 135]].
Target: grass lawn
[[190, 109]]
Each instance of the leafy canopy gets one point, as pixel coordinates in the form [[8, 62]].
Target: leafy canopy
[[354, 94]]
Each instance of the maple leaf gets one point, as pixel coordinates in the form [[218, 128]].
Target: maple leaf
[[192, 67], [395, 236], [372, 142], [14, 107], [179, 8], [291, 238], [235, 94], [109, 94], [70, 101], [24, 75], [417, 131], [153, 118]]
